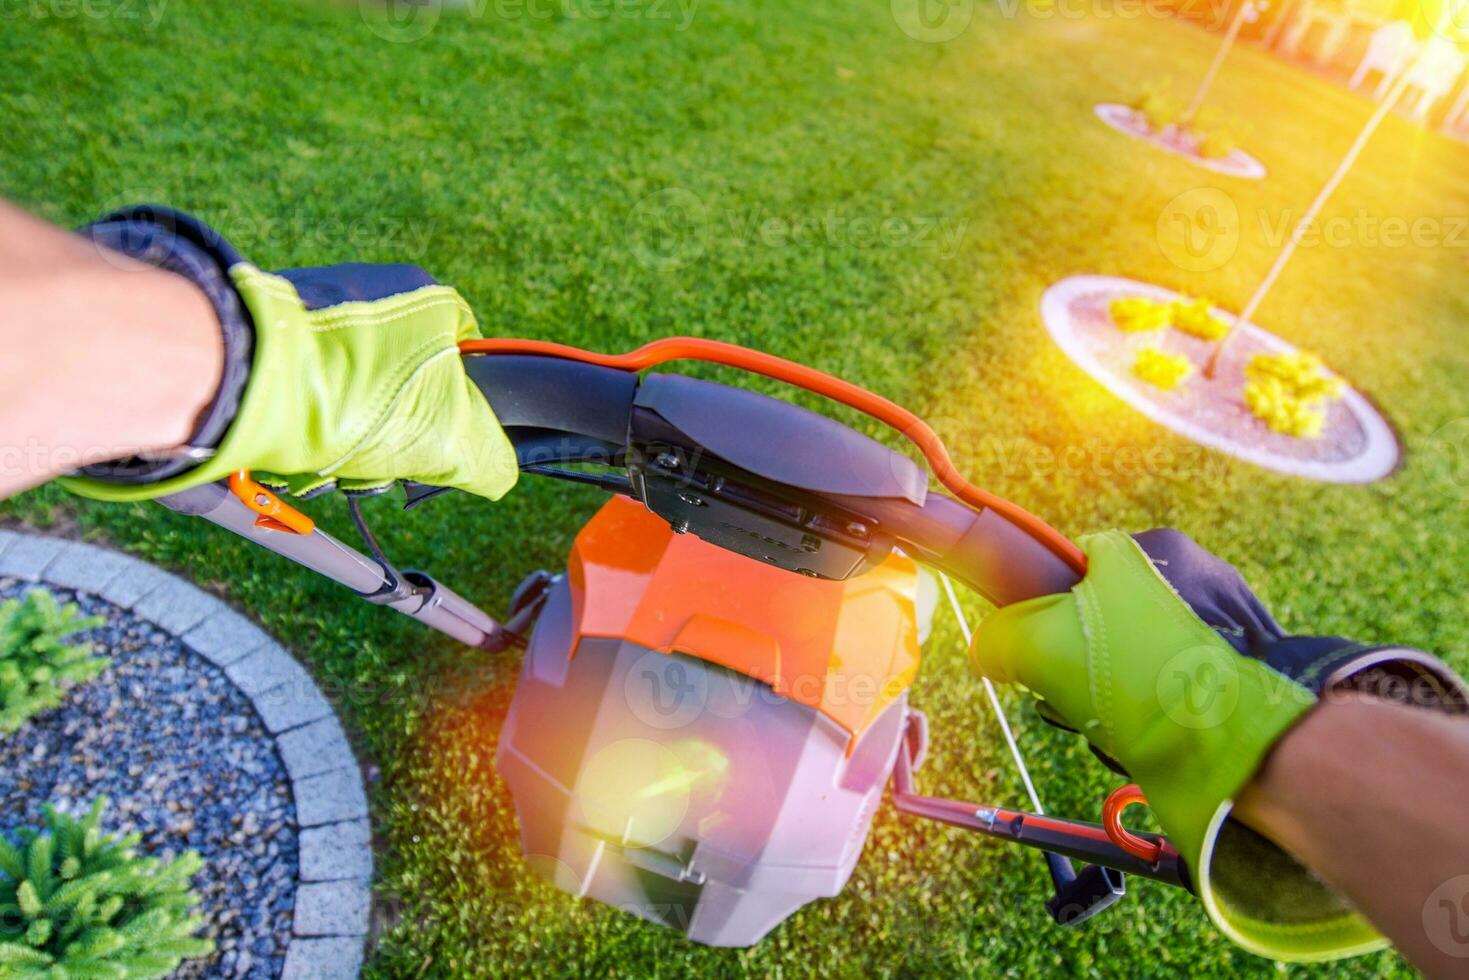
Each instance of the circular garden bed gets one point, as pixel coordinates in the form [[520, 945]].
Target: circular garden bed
[[177, 750], [1353, 442], [201, 736], [1133, 122]]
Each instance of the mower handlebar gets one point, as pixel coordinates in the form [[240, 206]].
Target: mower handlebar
[[822, 483], [980, 548]]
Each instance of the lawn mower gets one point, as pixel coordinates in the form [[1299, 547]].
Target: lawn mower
[[714, 693]]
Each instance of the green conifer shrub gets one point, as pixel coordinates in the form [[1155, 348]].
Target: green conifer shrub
[[77, 904], [37, 664]]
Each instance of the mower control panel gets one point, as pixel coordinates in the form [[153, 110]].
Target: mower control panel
[[687, 489]]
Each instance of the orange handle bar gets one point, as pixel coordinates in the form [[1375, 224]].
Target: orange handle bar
[[869, 403]]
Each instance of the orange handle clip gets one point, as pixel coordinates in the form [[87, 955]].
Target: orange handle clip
[[1118, 800], [911, 426], [275, 513]]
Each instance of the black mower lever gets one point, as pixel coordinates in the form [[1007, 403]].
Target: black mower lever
[[1078, 896]]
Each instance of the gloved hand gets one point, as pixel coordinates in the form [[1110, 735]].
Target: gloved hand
[[1168, 664], [350, 374]]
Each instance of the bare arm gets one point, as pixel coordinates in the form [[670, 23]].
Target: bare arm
[[1374, 797], [102, 356]]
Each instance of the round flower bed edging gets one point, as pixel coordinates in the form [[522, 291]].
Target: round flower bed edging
[[1130, 122], [333, 867], [1357, 444]]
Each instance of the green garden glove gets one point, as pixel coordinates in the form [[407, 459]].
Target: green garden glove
[[1176, 674], [351, 376]]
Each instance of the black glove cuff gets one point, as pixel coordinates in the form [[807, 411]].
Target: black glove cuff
[[1332, 667], [183, 245]]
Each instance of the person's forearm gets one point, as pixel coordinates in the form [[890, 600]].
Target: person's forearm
[[103, 357], [1374, 798]]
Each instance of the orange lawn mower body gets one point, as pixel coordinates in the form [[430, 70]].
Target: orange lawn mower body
[[714, 694], [764, 710]]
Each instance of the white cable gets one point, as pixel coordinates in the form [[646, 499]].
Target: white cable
[[1035, 800]]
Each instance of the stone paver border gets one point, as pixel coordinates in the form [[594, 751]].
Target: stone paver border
[[334, 887]]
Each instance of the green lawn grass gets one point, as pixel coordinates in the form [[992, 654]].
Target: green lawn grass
[[509, 154]]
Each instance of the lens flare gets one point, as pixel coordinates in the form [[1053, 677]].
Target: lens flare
[[636, 791]]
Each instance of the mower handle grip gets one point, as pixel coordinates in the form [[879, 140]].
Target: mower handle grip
[[546, 400], [980, 548]]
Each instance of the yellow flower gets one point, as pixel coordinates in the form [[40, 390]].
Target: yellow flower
[[1136, 314], [1161, 370], [1192, 316], [1289, 392]]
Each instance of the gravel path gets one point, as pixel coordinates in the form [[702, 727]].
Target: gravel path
[[185, 761]]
